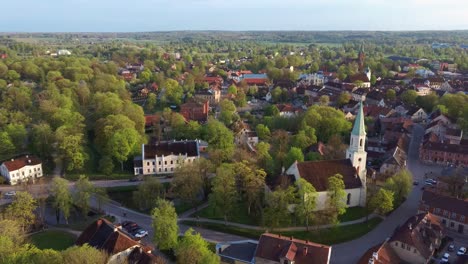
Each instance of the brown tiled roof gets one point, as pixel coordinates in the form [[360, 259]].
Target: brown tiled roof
[[171, 148], [452, 148], [20, 162], [318, 172], [445, 202], [140, 256], [357, 77], [385, 255], [419, 231], [273, 247]]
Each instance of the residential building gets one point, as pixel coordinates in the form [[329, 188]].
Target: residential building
[[196, 110], [443, 153], [237, 252], [165, 156], [417, 114], [243, 135], [21, 169], [423, 90], [120, 247], [450, 211], [353, 169], [288, 110], [212, 95], [277, 249], [413, 242]]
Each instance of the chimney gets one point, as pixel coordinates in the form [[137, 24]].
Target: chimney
[[304, 251], [29, 161], [410, 226]]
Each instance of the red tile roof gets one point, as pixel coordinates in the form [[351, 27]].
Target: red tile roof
[[385, 255], [318, 172], [273, 247], [445, 202], [20, 162]]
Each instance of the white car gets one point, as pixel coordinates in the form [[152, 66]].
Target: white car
[[445, 258], [461, 251], [10, 194], [141, 233]]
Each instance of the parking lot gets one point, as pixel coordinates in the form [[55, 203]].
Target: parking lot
[[458, 241]]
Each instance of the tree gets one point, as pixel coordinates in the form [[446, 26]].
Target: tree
[[336, 197], [166, 230], [271, 110], [382, 202], [62, 197], [390, 94], [186, 187], [252, 183], [83, 191], [294, 154], [400, 184], [409, 97], [324, 100], [22, 210], [173, 92], [302, 141], [220, 138], [224, 195], [18, 135], [70, 147], [12, 229], [106, 165], [277, 210], [123, 143], [148, 192], [276, 94], [7, 147], [101, 196], [192, 248], [151, 102], [343, 99], [42, 139], [228, 111], [263, 132], [232, 89], [307, 201], [84, 254]]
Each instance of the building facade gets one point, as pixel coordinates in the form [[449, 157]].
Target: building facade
[[21, 169], [164, 157]]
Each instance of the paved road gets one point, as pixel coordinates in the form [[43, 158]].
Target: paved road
[[350, 252]]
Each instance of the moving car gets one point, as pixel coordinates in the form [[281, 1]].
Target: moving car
[[461, 251], [141, 233], [10, 194]]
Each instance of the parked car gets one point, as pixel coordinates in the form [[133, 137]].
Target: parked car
[[141, 233], [434, 182], [445, 258], [451, 247], [415, 183], [10, 194], [461, 251]]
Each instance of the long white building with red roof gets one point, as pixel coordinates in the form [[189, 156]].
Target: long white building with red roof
[[21, 169]]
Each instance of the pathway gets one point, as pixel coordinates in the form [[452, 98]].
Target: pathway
[[351, 251]]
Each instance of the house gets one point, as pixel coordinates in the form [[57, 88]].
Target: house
[[212, 95], [21, 169], [417, 114], [413, 242], [375, 97], [237, 251], [277, 249], [353, 169], [362, 80], [450, 211], [359, 94], [288, 110], [395, 162], [243, 135], [443, 153], [120, 247], [423, 90], [165, 156], [196, 110]]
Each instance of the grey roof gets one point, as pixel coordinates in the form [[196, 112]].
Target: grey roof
[[242, 251]]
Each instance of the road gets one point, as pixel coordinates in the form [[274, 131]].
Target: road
[[351, 251]]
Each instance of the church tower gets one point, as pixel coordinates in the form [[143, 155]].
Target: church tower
[[368, 73], [356, 151]]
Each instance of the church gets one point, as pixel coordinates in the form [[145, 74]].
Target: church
[[353, 169]]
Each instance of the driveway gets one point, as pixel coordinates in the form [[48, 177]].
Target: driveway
[[351, 251]]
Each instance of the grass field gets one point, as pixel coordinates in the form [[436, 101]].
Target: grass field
[[239, 216], [327, 236], [53, 239]]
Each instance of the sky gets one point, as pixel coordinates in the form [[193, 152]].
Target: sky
[[238, 15]]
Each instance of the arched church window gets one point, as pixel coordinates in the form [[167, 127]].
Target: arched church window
[[348, 199], [360, 142]]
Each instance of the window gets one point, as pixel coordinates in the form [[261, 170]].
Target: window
[[159, 162], [437, 210], [159, 169], [165, 162], [446, 213], [348, 199], [402, 245], [454, 215], [154, 170], [172, 162], [408, 248], [396, 244], [172, 169], [462, 218], [452, 224], [147, 163], [165, 169], [414, 250], [444, 222], [360, 142]]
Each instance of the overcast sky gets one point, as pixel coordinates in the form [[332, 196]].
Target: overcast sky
[[162, 15]]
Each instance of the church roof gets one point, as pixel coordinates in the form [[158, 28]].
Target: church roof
[[318, 172], [359, 128]]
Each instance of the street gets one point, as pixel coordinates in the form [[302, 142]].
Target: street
[[351, 251]]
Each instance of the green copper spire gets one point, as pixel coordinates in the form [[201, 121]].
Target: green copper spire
[[359, 127]]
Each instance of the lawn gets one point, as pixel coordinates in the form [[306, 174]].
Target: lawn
[[239, 216], [124, 196], [353, 213], [328, 236], [53, 239]]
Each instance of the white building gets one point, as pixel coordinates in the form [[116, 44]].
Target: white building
[[21, 169], [164, 157], [353, 169]]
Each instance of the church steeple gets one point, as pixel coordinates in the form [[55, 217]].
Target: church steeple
[[356, 151]]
